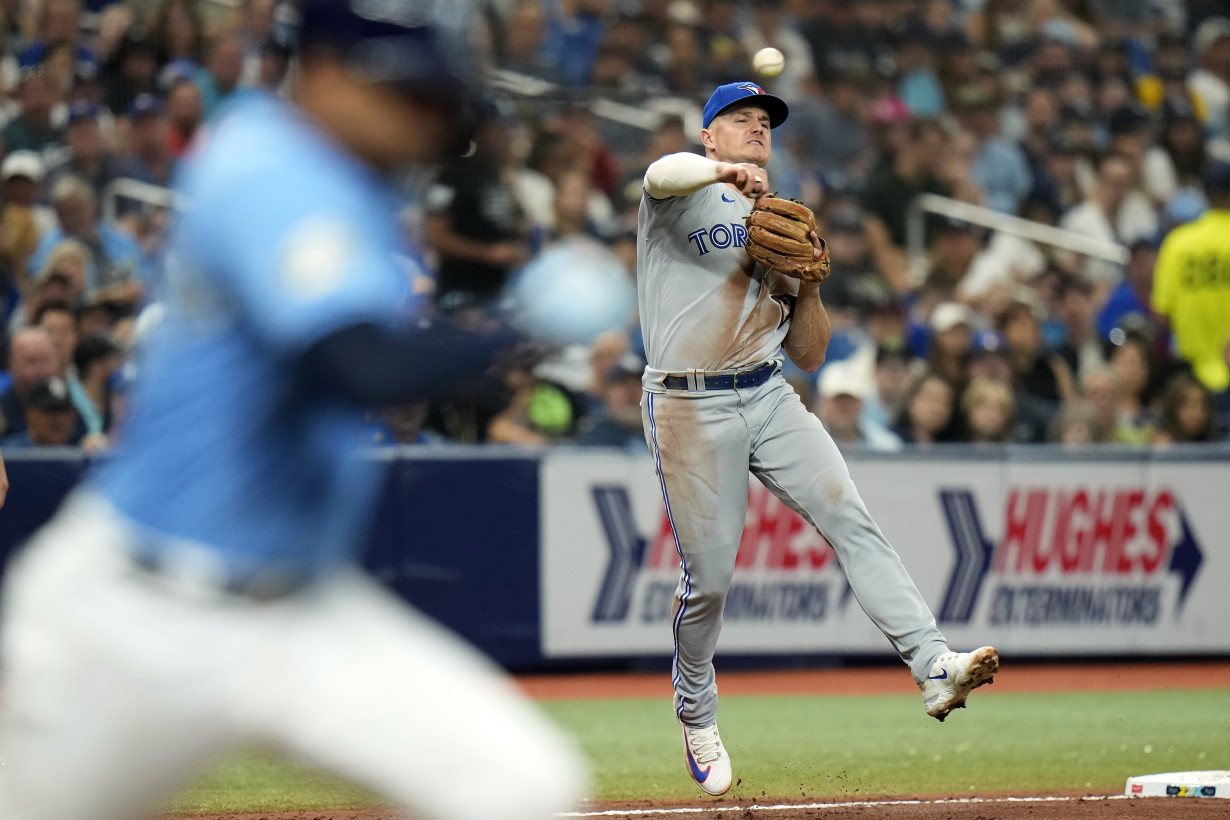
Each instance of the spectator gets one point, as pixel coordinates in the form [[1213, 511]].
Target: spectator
[[403, 424], [890, 374], [1131, 296], [1210, 80], [32, 361], [999, 166], [88, 158], [927, 410], [96, 360], [988, 412], [1076, 424], [1186, 413], [1179, 156], [1041, 379], [61, 279], [1114, 211], [20, 225], [617, 421], [178, 31], [59, 24], [1133, 364], [522, 47], [843, 389], [538, 411], [131, 70], [990, 357], [185, 113], [116, 268], [60, 322], [573, 36], [854, 277], [954, 247], [149, 158], [474, 222], [1102, 390], [50, 418], [1191, 285], [32, 129], [4, 482], [223, 70], [951, 331], [911, 172], [1081, 347]]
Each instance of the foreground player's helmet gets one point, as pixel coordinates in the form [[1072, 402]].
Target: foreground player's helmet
[[422, 47]]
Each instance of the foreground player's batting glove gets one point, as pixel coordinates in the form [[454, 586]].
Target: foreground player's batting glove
[[779, 237]]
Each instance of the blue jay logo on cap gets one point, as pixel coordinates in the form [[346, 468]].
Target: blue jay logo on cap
[[727, 95]]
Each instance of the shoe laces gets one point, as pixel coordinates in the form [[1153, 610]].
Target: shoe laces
[[705, 744]]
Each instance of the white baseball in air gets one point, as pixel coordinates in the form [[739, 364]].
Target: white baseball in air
[[768, 62]]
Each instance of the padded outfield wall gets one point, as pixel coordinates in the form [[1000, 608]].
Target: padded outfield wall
[[562, 557]]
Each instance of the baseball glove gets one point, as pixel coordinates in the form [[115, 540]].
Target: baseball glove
[[779, 237]]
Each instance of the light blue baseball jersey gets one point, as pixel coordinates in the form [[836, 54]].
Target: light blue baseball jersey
[[285, 238], [703, 303]]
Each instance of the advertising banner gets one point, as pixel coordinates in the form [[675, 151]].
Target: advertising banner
[[1044, 556]]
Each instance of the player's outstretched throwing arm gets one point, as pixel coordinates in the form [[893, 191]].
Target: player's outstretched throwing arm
[[683, 174]]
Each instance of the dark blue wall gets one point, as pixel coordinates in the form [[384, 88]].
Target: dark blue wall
[[456, 537]]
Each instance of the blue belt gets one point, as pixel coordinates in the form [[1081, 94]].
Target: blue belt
[[753, 377]]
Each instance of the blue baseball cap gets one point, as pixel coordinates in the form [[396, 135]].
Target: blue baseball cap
[[420, 47], [727, 95]]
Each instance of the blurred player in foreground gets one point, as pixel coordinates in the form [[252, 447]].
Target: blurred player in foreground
[[198, 591], [716, 406]]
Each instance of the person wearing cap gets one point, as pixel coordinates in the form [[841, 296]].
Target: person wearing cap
[[51, 418], [21, 221], [1191, 283], [840, 399], [717, 328], [617, 420], [204, 578], [89, 157], [148, 158], [951, 326]]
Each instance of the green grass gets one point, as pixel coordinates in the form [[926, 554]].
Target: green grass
[[790, 747]]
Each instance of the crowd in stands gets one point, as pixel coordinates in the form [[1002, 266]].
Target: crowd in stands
[[1106, 118]]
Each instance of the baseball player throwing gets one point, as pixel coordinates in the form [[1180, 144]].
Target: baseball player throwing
[[716, 405], [198, 591]]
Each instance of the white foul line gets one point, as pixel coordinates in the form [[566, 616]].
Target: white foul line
[[855, 804]]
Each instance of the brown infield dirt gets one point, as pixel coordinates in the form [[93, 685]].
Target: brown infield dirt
[[1076, 805]]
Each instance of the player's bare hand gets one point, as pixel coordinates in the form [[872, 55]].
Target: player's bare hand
[[751, 180]]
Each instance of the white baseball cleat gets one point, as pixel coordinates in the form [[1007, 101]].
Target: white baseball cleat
[[954, 676], [708, 762]]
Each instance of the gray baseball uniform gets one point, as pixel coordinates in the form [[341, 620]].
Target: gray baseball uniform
[[707, 313]]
